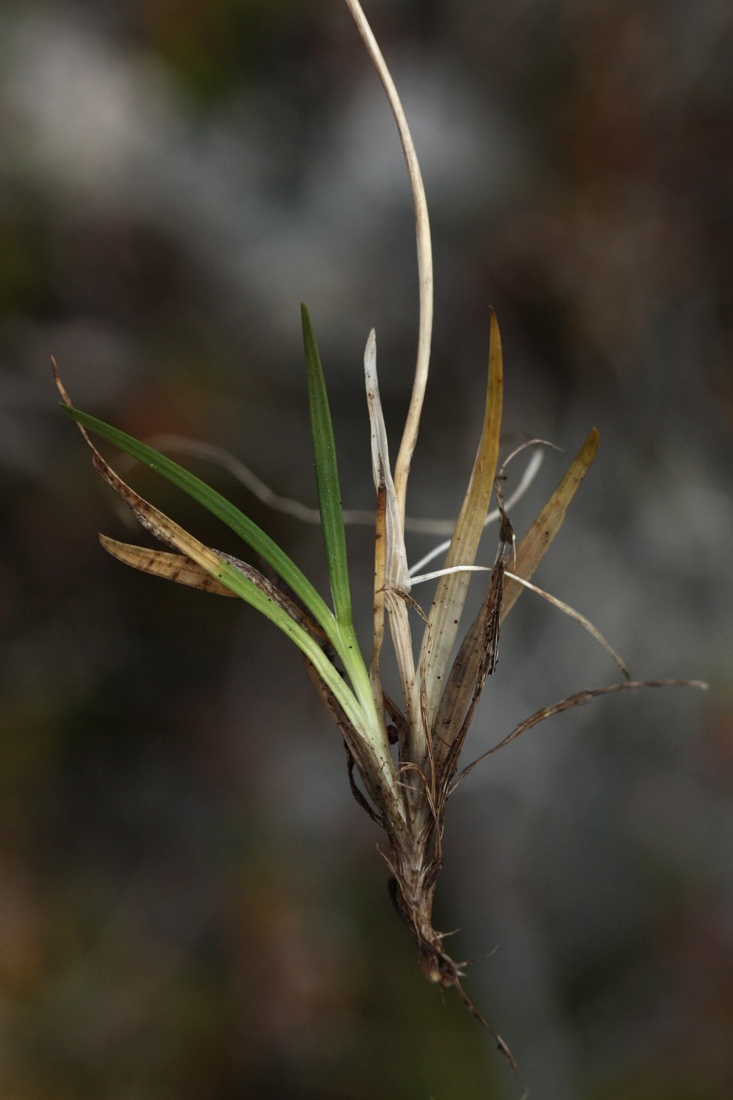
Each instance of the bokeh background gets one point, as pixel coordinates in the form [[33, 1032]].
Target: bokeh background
[[191, 905]]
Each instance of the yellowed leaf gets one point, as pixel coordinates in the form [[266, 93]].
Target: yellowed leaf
[[539, 538], [450, 595]]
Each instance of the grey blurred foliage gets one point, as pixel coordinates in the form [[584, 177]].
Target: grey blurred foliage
[[190, 903]]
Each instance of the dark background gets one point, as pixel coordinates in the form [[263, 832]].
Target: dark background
[[191, 905]]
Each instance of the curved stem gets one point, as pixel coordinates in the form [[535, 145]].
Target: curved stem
[[424, 258]]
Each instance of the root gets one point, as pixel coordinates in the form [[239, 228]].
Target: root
[[412, 897]]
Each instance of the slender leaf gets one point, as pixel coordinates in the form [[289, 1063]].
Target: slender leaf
[[161, 563], [252, 587], [225, 511], [380, 559], [450, 595], [573, 614], [475, 660], [327, 479], [579, 699], [538, 539], [332, 525], [391, 575], [396, 574], [343, 638]]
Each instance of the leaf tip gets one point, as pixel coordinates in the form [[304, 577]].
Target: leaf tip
[[65, 399]]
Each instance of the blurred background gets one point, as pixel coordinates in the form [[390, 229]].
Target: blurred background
[[191, 905]]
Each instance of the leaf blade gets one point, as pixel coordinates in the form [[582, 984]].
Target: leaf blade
[[250, 586], [450, 595], [161, 563], [219, 507], [535, 544], [327, 479]]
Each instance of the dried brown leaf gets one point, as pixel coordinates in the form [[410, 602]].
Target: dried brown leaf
[[161, 563], [450, 595], [535, 544]]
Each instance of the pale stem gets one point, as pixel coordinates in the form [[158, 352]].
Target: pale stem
[[424, 257], [396, 574], [391, 578]]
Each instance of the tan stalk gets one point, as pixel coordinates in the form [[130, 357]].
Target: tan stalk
[[396, 579], [424, 257], [380, 568]]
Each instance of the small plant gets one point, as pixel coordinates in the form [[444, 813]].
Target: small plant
[[403, 758]]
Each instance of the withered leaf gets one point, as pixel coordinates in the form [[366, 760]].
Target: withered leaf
[[162, 563]]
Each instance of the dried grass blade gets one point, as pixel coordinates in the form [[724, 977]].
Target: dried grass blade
[[380, 559], [450, 595], [573, 614], [539, 538], [396, 575], [579, 699], [219, 506], [160, 563], [392, 580], [476, 659]]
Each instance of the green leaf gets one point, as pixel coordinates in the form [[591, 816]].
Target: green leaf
[[225, 511], [327, 479], [358, 701], [332, 525], [242, 586]]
